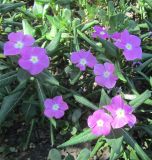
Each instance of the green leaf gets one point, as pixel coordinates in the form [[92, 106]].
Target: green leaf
[[76, 115], [129, 140], [104, 98], [54, 154], [64, 2], [10, 6], [113, 155], [116, 20], [23, 75], [79, 138], [140, 99], [89, 25], [53, 45], [109, 47], [111, 8], [9, 103], [144, 65], [76, 78], [98, 145], [47, 77], [85, 101], [119, 72], [7, 78], [27, 28], [41, 94], [115, 140], [149, 2], [37, 9], [151, 81], [147, 128], [84, 154]]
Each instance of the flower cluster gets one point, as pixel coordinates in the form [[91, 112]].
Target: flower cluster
[[105, 73], [120, 114], [32, 59], [123, 40], [55, 107]]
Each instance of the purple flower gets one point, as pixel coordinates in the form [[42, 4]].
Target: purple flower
[[17, 42], [105, 76], [99, 123], [55, 107], [116, 36], [131, 46], [121, 113], [100, 32], [34, 60], [82, 59]]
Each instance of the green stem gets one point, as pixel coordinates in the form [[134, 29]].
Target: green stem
[[51, 134], [29, 134]]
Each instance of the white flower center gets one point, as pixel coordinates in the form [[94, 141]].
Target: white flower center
[[102, 32], [55, 107], [34, 59], [128, 46], [100, 123], [19, 45], [106, 74], [120, 113], [83, 61]]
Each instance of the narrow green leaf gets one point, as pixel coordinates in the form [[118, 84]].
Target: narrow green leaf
[[129, 140], [79, 138], [85, 101], [113, 155], [98, 145], [10, 6], [9, 103], [104, 98], [140, 99], [7, 78], [41, 94], [27, 28], [119, 72], [88, 25], [151, 81], [37, 9], [144, 65], [53, 45], [109, 47], [115, 140], [76, 78], [47, 77]]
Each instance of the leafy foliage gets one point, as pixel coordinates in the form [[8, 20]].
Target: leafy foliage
[[62, 27]]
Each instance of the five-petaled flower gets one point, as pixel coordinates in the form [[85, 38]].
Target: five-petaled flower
[[100, 32], [34, 60], [100, 122], [105, 75], [82, 59], [17, 42], [55, 107], [130, 45], [121, 113]]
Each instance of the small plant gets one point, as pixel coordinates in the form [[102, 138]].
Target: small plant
[[81, 70]]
